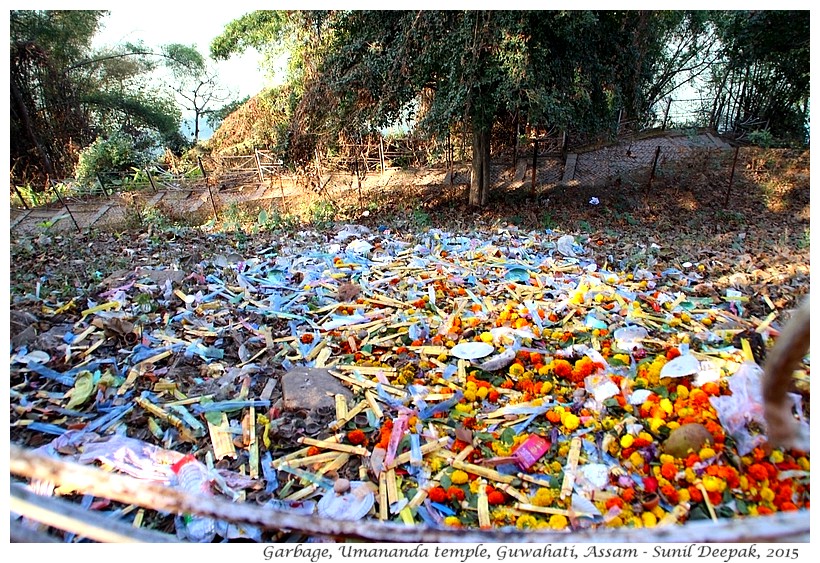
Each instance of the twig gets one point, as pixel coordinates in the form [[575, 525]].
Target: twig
[[783, 526]]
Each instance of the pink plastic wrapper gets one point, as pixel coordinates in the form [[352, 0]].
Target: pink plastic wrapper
[[530, 451]]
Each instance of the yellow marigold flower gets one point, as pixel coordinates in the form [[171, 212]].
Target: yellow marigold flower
[[475, 485], [570, 421], [563, 450], [752, 510], [662, 481], [469, 395], [546, 387], [526, 521], [659, 512], [622, 358], [666, 405], [459, 477], [487, 337], [616, 522], [556, 466], [767, 494], [543, 497], [452, 521], [500, 448], [608, 423], [673, 424], [627, 440], [649, 520], [461, 407], [683, 495], [537, 402], [558, 522], [803, 463], [636, 459], [436, 464], [544, 370], [776, 457], [481, 393], [516, 370], [715, 484], [706, 453], [682, 391], [646, 436], [666, 458], [689, 475], [636, 522], [471, 385]]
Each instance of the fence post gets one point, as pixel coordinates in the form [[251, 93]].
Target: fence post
[[64, 204], [534, 161], [731, 178], [259, 166], [23, 201], [150, 179], [381, 152], [450, 166], [654, 166], [208, 185], [102, 184], [358, 178]]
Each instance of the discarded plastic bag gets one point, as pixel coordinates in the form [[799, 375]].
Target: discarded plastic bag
[[352, 505], [743, 406]]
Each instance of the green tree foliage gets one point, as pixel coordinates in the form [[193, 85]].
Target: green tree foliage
[[763, 77], [558, 68], [64, 95]]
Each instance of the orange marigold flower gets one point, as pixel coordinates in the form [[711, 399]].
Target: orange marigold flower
[[496, 497], [694, 494], [715, 497], [562, 368], [757, 472], [553, 416], [306, 338], [711, 388], [670, 493], [788, 506], [454, 493], [641, 443], [628, 495], [356, 437], [669, 470], [313, 450], [458, 445], [614, 501], [764, 510], [437, 494], [672, 353], [492, 396]]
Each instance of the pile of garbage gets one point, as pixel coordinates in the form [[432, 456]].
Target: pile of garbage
[[498, 379]]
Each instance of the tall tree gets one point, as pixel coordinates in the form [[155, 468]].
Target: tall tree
[[194, 82], [64, 94], [558, 68], [764, 72]]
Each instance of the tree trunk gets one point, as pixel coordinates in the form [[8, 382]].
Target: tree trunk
[[480, 175], [45, 161]]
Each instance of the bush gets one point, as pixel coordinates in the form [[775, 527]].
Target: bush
[[119, 152]]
